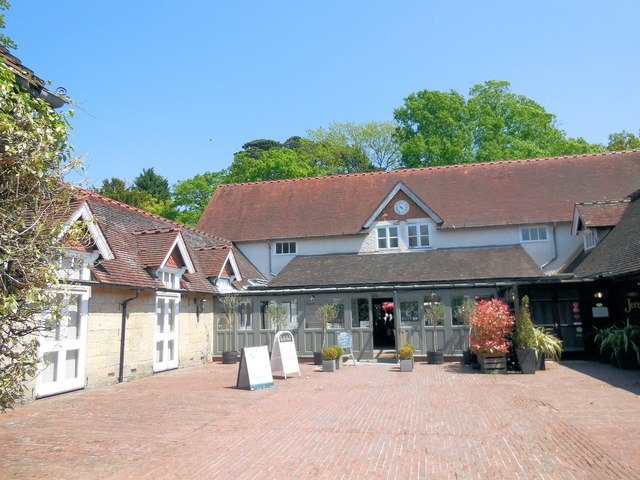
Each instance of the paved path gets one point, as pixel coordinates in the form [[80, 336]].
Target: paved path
[[578, 420]]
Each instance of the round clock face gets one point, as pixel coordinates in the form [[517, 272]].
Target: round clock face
[[401, 207]]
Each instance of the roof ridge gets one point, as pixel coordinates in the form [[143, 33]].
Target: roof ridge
[[605, 202], [435, 167], [178, 225]]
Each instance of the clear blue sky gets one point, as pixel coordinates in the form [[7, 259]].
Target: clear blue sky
[[180, 86]]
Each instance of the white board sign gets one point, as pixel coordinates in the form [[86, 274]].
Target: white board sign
[[284, 357], [254, 370], [345, 340]]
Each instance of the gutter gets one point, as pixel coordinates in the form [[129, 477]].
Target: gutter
[[123, 329]]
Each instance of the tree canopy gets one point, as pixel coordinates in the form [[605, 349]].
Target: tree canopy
[[623, 141], [34, 157], [441, 128]]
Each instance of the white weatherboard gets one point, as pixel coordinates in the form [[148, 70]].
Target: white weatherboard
[[284, 357], [254, 370]]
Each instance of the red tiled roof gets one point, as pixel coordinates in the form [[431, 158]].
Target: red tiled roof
[[140, 239], [482, 194], [601, 214], [446, 265]]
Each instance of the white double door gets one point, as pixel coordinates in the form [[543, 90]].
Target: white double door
[[166, 332], [62, 346]]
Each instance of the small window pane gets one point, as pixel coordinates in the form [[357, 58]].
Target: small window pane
[[160, 317], [382, 238], [525, 235], [542, 233], [292, 247], [50, 372], [393, 237], [71, 365], [159, 352], [172, 315], [433, 311], [172, 350]]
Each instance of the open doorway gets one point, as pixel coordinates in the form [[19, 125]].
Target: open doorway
[[384, 336]]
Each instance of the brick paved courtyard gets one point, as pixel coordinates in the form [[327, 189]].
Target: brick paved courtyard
[[578, 420]]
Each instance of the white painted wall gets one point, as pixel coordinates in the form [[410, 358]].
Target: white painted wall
[[541, 252]]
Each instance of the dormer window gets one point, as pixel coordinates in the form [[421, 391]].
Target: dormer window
[[170, 277], [590, 239], [286, 248]]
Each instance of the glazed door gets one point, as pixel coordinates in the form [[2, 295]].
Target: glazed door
[[166, 333], [63, 346]]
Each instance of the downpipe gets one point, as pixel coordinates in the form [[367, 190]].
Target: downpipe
[[123, 329]]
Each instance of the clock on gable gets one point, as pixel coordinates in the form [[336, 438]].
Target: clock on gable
[[401, 207]]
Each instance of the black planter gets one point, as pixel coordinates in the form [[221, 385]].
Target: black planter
[[540, 365], [317, 358], [435, 358], [627, 359], [466, 357], [230, 357], [527, 360]]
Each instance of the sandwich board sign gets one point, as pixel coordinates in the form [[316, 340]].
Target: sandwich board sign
[[284, 357], [345, 340], [254, 370]]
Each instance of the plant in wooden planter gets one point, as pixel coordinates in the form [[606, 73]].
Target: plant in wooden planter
[[327, 313], [329, 356], [406, 353], [491, 327], [524, 338], [434, 311], [229, 305]]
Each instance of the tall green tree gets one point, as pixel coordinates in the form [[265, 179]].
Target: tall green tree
[[275, 164], [34, 157], [441, 128], [118, 189], [623, 141], [433, 129], [377, 140], [191, 196], [156, 185]]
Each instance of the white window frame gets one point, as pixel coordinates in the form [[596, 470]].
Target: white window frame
[[530, 230], [291, 248], [174, 275], [163, 334], [418, 236], [386, 237], [60, 345], [590, 239]]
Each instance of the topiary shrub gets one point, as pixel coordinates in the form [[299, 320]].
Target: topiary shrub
[[525, 336]]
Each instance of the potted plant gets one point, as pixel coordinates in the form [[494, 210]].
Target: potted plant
[[463, 313], [229, 305], [406, 353], [327, 313], [339, 353], [491, 327], [524, 338], [546, 345], [329, 356], [434, 314], [277, 314], [623, 343]]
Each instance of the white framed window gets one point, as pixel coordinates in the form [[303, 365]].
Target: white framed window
[[166, 332], [170, 277], [590, 239], [418, 235], [286, 248], [533, 234], [387, 237]]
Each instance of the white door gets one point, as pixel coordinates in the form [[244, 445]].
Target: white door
[[166, 333], [63, 346]]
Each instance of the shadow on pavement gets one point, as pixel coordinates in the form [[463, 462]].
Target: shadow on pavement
[[626, 379]]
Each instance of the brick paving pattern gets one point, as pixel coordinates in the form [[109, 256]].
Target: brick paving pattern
[[577, 420]]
